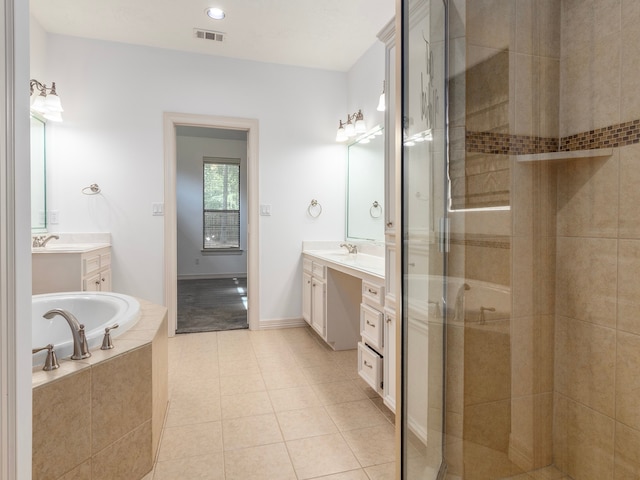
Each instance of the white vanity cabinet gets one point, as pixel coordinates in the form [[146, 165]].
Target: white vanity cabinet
[[314, 290], [371, 349], [83, 269]]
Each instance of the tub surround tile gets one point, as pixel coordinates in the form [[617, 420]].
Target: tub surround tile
[[629, 192], [629, 286], [121, 393], [61, 425], [133, 456]]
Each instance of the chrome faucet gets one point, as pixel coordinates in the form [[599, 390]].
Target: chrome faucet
[[458, 312], [350, 247], [80, 345], [42, 240]]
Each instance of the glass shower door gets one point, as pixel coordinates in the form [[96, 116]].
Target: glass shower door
[[425, 239]]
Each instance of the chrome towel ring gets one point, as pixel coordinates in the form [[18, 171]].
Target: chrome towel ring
[[92, 189], [375, 210], [314, 209]]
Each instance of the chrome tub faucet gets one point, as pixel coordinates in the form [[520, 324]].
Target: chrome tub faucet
[[80, 345]]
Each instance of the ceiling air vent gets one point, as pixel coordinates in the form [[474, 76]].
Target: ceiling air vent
[[209, 35]]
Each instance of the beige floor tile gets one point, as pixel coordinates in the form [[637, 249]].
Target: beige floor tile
[[338, 392], [325, 373], [241, 384], [351, 475], [204, 467], [278, 360], [354, 415], [372, 446], [312, 357], [293, 398], [190, 441], [386, 471], [324, 455], [308, 422], [266, 462], [245, 405], [236, 365], [191, 409], [285, 378], [247, 432]]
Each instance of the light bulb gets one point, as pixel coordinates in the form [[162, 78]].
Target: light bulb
[[381, 103], [215, 13]]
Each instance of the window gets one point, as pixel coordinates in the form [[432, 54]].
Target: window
[[221, 203]]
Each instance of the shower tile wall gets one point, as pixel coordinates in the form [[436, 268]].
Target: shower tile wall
[[552, 380]]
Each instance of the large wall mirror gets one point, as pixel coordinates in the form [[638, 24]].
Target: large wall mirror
[[38, 175], [365, 188]]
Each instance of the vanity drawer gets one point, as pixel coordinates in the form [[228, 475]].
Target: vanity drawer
[[373, 294], [370, 367], [307, 265], [90, 264], [371, 326], [105, 260], [318, 270]]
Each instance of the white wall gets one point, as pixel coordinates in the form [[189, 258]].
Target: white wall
[[190, 153], [114, 96], [364, 85]]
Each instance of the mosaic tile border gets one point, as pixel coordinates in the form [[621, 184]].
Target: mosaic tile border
[[613, 136]]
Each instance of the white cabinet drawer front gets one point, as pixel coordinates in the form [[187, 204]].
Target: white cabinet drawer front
[[372, 326], [307, 265], [92, 284], [370, 367], [318, 270], [373, 294], [90, 264]]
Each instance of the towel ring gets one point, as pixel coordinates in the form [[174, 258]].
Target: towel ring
[[92, 189], [314, 209], [375, 208]]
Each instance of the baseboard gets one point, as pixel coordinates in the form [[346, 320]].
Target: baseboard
[[212, 276], [272, 323]]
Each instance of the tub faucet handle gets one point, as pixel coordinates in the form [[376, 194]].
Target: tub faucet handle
[[51, 363], [107, 344], [84, 344]]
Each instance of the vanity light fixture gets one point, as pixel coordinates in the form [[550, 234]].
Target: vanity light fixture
[[355, 125], [215, 13], [381, 102], [47, 102], [425, 136]]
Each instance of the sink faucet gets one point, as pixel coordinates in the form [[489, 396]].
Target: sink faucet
[[42, 240], [350, 247], [80, 345]]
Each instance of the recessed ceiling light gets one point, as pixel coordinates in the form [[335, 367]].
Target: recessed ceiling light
[[215, 13]]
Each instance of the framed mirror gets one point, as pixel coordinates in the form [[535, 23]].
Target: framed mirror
[[38, 175], [365, 187]]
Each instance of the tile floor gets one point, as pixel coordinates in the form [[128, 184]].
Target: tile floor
[[273, 405]]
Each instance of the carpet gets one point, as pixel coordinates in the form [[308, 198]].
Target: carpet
[[212, 305]]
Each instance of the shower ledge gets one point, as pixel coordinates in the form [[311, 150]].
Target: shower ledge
[[570, 155]]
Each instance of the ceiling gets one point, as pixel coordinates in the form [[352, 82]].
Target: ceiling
[[325, 34]]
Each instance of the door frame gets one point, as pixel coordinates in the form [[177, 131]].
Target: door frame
[[170, 121]]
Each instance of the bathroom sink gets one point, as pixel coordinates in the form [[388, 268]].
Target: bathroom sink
[[356, 260], [68, 247]]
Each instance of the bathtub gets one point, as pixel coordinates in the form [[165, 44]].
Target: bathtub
[[95, 310]]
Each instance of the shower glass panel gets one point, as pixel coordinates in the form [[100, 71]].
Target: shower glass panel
[[424, 217], [541, 242]]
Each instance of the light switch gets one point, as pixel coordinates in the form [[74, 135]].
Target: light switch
[[54, 217], [265, 210], [157, 209]]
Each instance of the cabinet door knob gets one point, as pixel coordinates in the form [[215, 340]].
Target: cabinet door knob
[[389, 224], [367, 364], [370, 324], [372, 292]]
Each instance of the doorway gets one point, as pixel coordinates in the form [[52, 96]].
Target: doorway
[[250, 126], [211, 186]]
